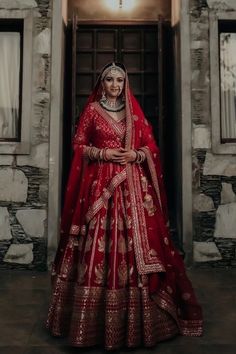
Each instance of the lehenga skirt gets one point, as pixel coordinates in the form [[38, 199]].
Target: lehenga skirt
[[98, 295]]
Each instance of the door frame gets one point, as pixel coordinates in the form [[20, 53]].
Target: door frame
[[185, 119]]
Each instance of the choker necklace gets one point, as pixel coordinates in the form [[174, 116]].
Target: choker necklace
[[112, 106]]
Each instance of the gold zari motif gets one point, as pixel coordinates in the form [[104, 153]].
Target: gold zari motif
[[131, 316]]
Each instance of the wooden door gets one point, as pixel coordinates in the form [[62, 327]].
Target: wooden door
[[134, 46]]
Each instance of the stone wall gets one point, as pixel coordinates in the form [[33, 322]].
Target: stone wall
[[24, 179], [214, 176]]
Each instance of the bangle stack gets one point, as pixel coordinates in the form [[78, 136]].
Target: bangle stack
[[94, 153], [140, 156], [104, 154]]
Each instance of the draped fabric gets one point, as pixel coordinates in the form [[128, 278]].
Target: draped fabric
[[117, 278], [9, 83]]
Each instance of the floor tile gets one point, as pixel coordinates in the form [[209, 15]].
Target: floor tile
[[15, 333], [24, 299], [12, 350]]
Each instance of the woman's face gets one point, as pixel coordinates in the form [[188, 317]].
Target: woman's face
[[113, 84]]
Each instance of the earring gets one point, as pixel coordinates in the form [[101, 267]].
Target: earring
[[103, 96]]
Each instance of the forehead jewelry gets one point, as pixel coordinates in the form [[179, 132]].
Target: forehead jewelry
[[113, 69]]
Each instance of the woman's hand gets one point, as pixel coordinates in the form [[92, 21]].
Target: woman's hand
[[121, 155]]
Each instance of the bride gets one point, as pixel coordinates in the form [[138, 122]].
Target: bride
[[117, 278]]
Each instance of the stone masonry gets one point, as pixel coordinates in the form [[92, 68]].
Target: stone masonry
[[24, 178], [214, 176]]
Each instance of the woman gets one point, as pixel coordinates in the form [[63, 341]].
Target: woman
[[117, 278]]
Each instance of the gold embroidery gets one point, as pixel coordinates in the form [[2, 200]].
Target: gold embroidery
[[100, 273], [166, 241], [107, 193], [122, 273], [153, 172], [131, 270], [130, 244], [116, 126], [120, 224], [92, 223], [148, 204], [144, 183], [145, 263], [94, 185], [127, 204], [101, 244], [88, 243], [98, 317], [152, 252], [128, 222], [104, 223], [121, 245], [74, 230]]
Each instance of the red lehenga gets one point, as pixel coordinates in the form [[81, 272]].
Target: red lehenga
[[117, 278]]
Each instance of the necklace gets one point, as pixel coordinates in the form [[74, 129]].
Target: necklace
[[111, 106]]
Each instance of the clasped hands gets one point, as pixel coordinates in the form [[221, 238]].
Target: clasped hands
[[121, 155]]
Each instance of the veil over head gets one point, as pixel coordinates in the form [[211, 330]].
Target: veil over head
[[132, 106]]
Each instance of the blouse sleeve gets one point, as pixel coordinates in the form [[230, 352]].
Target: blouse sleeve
[[84, 127]]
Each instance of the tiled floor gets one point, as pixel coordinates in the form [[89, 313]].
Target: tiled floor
[[24, 301]]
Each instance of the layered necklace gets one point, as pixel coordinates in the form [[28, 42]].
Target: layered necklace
[[112, 106]]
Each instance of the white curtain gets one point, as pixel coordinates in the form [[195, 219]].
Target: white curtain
[[9, 83], [228, 85]]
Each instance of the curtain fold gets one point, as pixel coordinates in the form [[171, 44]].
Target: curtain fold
[[9, 83]]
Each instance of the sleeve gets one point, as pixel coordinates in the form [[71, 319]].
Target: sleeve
[[83, 135], [83, 129]]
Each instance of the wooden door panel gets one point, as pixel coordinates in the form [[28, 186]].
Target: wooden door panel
[[84, 62], [84, 39], [150, 62], [135, 81], [150, 40], [132, 61], [150, 82], [103, 58], [106, 40], [131, 40], [85, 84]]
